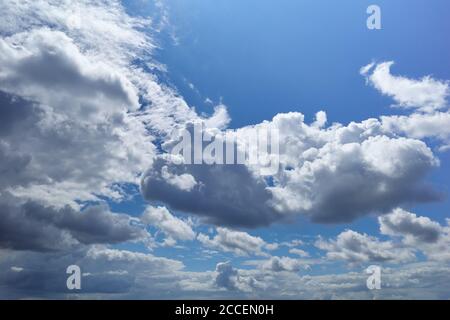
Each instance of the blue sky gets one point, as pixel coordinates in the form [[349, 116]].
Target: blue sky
[[261, 59], [101, 88]]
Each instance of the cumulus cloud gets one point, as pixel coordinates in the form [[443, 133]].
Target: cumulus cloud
[[420, 126], [418, 233], [345, 172], [353, 247], [279, 264], [172, 226], [401, 222], [330, 175], [80, 115], [237, 242], [105, 272], [28, 225], [299, 252], [46, 66], [228, 277], [67, 100], [44, 151], [427, 94], [220, 118], [215, 196]]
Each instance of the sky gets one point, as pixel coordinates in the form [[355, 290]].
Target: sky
[[93, 96]]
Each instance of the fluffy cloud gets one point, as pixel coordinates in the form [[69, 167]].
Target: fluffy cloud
[[344, 172], [278, 264], [80, 111], [28, 225], [106, 272], [420, 126], [172, 226], [237, 242], [426, 94], [401, 222], [353, 247], [418, 233], [44, 150], [215, 196], [46, 66], [124, 274], [67, 100], [330, 175], [229, 278], [299, 252]]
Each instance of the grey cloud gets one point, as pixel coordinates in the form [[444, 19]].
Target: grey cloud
[[347, 181], [238, 242], [403, 223], [229, 278], [105, 272], [28, 225], [355, 248], [279, 264], [175, 228], [330, 175], [225, 194], [47, 66]]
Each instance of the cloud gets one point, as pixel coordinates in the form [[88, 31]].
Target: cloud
[[299, 252], [106, 272], [330, 175], [172, 226], [83, 115], [353, 248], [229, 278], [220, 118], [420, 126], [218, 195], [46, 66], [427, 94], [279, 264], [79, 96], [237, 242], [401, 222], [338, 174], [28, 225], [418, 233]]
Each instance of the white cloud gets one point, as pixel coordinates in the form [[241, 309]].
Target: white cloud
[[237, 242], [279, 264], [418, 233], [172, 226], [299, 252], [401, 222], [73, 129], [184, 182], [28, 225], [46, 66], [226, 195], [353, 248], [419, 126], [220, 118], [16, 269], [427, 94], [230, 279], [330, 175], [344, 172]]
